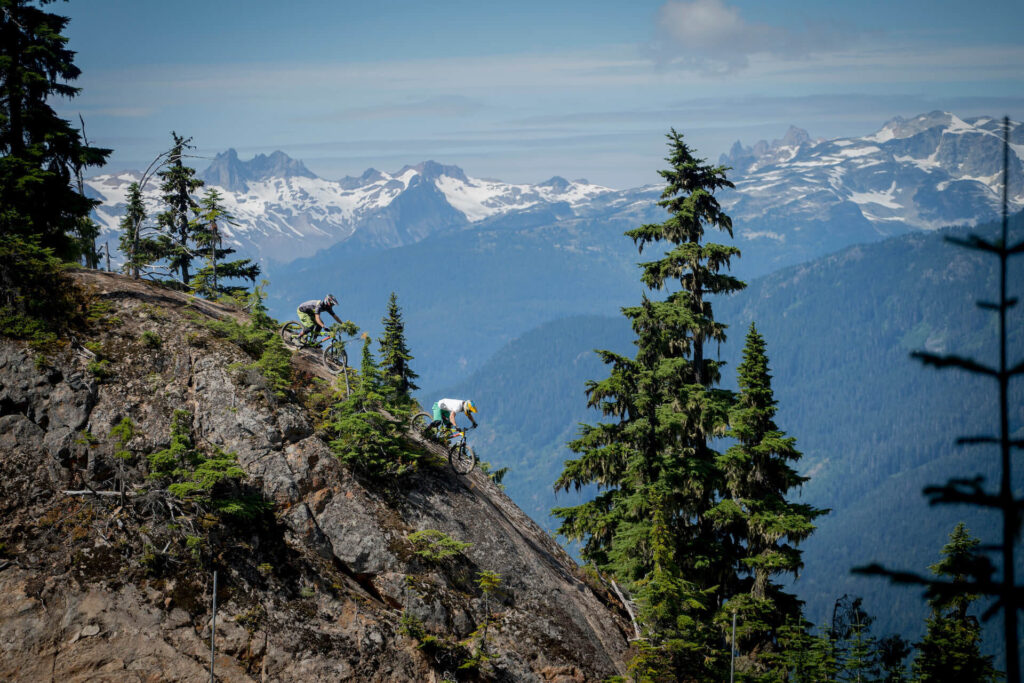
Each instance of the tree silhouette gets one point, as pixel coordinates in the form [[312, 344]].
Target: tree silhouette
[[1009, 597]]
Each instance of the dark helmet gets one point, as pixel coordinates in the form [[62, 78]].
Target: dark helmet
[[330, 300]]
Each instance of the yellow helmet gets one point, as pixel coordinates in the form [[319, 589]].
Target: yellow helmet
[[470, 408]]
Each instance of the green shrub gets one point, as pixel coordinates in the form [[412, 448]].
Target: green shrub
[[151, 340], [275, 364], [436, 546], [100, 369], [208, 480], [123, 432], [37, 298], [495, 475]]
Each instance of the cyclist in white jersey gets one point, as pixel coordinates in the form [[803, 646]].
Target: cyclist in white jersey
[[445, 410]]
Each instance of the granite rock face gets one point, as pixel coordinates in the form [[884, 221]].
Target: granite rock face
[[318, 590]]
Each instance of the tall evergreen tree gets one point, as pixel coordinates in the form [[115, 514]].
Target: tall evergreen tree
[[175, 222], [395, 356], [950, 650], [211, 219], [759, 475], [652, 524], [39, 151]]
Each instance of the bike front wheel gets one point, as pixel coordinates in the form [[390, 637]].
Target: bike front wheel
[[335, 357], [462, 458], [290, 332]]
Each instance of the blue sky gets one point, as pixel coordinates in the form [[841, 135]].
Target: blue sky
[[525, 90]]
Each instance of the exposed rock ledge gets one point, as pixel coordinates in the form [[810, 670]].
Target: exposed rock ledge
[[71, 607]]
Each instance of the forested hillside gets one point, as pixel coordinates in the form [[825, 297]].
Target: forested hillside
[[874, 425]]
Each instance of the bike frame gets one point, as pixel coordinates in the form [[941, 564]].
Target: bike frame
[[328, 336]]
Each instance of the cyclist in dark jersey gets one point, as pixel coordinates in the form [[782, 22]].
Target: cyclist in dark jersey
[[309, 316]]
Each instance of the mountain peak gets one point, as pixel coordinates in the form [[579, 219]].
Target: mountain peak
[[228, 171], [369, 176], [557, 183], [794, 137], [899, 127], [431, 170]]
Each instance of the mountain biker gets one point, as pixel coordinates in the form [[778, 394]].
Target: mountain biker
[[309, 316], [446, 408]]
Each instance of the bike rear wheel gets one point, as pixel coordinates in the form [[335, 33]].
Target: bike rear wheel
[[420, 424], [335, 357], [462, 458], [290, 332]]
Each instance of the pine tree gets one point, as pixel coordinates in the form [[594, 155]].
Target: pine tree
[[39, 151], [206, 230], [395, 356], [950, 650], [756, 513], [175, 222], [652, 526]]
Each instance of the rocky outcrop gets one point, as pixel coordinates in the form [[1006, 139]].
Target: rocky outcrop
[[316, 591]]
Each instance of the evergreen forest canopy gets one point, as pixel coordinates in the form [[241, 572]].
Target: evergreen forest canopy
[[695, 512]]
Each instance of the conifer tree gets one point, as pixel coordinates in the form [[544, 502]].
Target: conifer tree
[[759, 475], [137, 241], [206, 228], [175, 222], [892, 651], [395, 356], [652, 526], [366, 438], [950, 650], [39, 151]]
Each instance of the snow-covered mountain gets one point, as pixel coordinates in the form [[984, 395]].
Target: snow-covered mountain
[[923, 173], [283, 211], [795, 198]]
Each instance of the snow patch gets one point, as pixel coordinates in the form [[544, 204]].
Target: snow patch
[[886, 199], [859, 152]]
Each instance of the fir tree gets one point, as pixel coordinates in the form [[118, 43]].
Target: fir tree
[[861, 662], [206, 230], [950, 650], [137, 241], [39, 151], [892, 652], [397, 375], [176, 225], [756, 513], [365, 438], [652, 526]]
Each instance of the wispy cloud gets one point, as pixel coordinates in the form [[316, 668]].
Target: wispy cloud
[[712, 36]]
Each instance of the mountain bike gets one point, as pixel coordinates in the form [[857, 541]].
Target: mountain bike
[[334, 355], [461, 455]]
